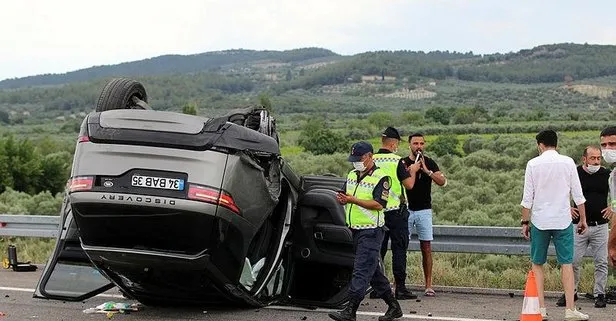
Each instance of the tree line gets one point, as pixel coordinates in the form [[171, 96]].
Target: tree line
[[33, 167]]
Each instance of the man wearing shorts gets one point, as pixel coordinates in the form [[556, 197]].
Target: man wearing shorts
[[549, 182], [423, 171]]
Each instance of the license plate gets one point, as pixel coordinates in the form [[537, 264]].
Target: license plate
[[158, 182]]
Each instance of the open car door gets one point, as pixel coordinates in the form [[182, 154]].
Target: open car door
[[322, 251], [69, 275]]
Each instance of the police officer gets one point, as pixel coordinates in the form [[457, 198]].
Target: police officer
[[365, 197], [396, 212]]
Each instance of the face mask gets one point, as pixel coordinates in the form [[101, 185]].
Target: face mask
[[593, 168], [609, 155], [359, 166]]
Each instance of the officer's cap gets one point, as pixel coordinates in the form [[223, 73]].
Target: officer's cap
[[358, 150], [391, 132]]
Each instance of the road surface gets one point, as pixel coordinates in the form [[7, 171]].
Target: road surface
[[16, 303]]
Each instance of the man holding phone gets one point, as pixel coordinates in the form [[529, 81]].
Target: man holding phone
[[550, 180], [421, 172], [365, 196]]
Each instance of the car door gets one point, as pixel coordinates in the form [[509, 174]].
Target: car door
[[69, 274], [322, 246]]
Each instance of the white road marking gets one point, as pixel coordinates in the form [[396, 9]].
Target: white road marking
[[104, 295], [287, 308], [406, 316]]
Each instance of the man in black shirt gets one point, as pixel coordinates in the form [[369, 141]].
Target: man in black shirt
[[422, 172], [594, 180]]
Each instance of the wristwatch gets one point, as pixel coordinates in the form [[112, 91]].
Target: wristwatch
[[524, 222]]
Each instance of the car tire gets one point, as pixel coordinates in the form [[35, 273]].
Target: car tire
[[118, 94]]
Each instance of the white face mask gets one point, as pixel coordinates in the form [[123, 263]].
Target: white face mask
[[593, 168], [609, 155], [359, 166]]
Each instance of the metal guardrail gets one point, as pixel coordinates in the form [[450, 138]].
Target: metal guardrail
[[447, 238], [477, 239], [29, 225]]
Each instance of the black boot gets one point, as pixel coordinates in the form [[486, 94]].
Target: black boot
[[348, 314], [600, 301], [562, 301], [394, 311], [404, 294]]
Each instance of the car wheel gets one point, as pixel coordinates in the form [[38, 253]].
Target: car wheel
[[255, 118], [122, 93]]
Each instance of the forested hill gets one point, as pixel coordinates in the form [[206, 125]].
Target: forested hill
[[548, 63], [542, 64], [172, 64]]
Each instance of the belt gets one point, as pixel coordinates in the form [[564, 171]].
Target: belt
[[595, 223]]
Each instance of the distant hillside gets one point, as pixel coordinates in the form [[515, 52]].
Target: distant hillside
[[170, 64], [543, 64], [562, 76]]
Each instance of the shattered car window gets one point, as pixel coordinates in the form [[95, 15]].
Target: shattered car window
[[69, 279]]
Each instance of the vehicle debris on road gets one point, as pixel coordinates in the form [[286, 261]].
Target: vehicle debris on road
[[111, 308]]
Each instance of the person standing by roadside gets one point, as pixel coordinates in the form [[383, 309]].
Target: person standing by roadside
[[365, 195], [594, 181], [608, 151], [550, 180], [396, 213], [422, 171]]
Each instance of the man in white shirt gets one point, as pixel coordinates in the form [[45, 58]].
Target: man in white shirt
[[549, 182]]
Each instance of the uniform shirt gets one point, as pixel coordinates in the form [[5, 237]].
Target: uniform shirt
[[420, 197], [549, 181], [595, 188], [380, 193], [401, 171]]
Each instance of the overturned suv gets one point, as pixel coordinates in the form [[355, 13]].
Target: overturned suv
[[181, 209]]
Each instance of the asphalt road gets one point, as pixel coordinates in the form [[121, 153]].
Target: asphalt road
[[16, 303]]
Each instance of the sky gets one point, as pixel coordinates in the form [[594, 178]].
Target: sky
[[57, 36]]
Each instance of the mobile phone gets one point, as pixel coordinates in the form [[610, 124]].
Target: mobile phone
[[418, 158]]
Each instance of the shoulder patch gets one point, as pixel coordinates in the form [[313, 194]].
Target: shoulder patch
[[385, 195]]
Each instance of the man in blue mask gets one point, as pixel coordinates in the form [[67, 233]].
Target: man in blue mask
[[364, 197]]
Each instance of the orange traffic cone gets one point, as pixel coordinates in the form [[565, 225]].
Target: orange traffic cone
[[530, 307]]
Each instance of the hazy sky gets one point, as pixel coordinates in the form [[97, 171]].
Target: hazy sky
[[56, 36]]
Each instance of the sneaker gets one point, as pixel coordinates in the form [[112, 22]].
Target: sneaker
[[562, 301], [575, 315], [544, 314], [600, 301]]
